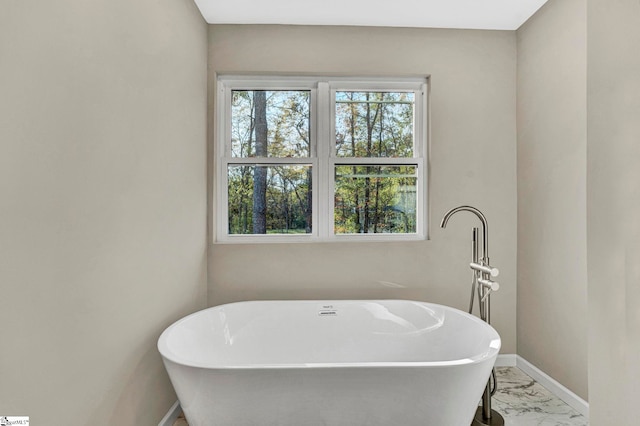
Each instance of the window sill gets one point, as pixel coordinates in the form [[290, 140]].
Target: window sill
[[308, 239]]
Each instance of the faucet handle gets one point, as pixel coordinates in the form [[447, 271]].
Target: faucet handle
[[489, 285], [487, 269]]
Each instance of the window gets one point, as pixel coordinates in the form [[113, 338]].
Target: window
[[315, 159]]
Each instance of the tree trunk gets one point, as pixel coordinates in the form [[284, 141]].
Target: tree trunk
[[308, 211], [367, 180], [376, 216], [356, 202], [260, 172], [371, 122]]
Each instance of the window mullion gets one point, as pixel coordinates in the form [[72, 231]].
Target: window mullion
[[323, 147], [376, 161], [268, 161]]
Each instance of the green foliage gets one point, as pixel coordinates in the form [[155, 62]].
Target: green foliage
[[288, 196], [288, 189], [368, 198], [374, 199], [374, 124], [288, 123]]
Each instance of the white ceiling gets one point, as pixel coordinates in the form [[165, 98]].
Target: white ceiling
[[471, 14]]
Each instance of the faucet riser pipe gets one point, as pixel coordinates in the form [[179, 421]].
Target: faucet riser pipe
[[482, 274], [495, 420]]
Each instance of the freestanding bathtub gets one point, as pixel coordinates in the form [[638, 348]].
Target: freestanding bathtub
[[330, 363]]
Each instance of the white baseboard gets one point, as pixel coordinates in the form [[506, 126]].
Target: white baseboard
[[573, 400], [506, 360], [170, 418]]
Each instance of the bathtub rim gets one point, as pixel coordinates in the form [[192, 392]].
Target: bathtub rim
[[491, 353]]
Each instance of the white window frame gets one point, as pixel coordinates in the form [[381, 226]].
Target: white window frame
[[322, 159]]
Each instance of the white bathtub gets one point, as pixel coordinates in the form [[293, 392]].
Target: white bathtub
[[351, 363]]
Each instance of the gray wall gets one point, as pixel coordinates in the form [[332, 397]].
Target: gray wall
[[473, 159], [552, 230], [102, 203], [613, 200]]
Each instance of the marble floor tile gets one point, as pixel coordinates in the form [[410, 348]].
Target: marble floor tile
[[524, 402], [521, 401]]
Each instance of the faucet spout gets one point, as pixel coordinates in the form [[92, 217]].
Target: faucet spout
[[483, 220]]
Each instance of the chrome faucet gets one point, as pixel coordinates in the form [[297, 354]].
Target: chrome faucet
[[483, 219], [483, 273], [479, 263]]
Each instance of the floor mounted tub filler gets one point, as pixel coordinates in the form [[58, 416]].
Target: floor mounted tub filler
[[330, 363]]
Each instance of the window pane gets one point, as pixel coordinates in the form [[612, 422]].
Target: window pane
[[269, 199], [374, 124], [375, 199], [271, 123]]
